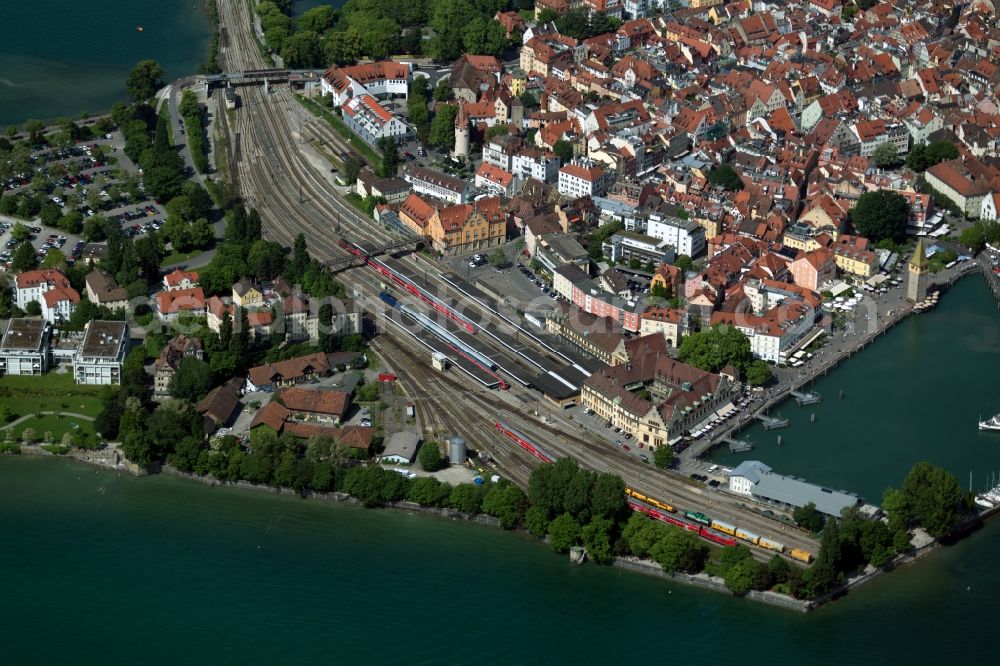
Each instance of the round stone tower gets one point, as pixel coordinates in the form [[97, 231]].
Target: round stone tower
[[461, 133]]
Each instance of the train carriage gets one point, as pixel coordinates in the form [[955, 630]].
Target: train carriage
[[746, 535], [764, 542], [800, 555], [724, 527]]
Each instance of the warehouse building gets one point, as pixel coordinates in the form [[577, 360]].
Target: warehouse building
[[753, 478]]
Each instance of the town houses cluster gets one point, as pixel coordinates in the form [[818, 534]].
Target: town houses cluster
[[723, 145]]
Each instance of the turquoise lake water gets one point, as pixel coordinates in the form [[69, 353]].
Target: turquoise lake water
[[161, 570]]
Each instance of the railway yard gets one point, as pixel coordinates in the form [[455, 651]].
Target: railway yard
[[492, 351]]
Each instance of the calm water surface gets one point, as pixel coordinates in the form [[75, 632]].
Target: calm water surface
[[62, 58], [916, 394], [161, 570]]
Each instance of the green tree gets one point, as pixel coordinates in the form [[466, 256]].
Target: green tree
[[881, 214], [467, 497], [33, 128], [678, 550], [430, 457], [24, 258], [20, 232], [809, 518], [563, 150], [497, 258], [973, 238], [443, 91], [885, 155], [758, 373], [941, 151], [597, 537], [548, 485], [536, 521], [389, 164], [424, 491], [318, 19], [745, 575], [506, 502], [725, 176], [564, 533], [715, 348], [54, 258], [934, 497], [144, 80], [663, 455], [607, 497], [192, 380], [301, 50], [443, 126], [641, 534], [33, 309], [352, 167]]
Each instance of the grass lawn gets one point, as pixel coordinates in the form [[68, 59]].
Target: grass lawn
[[51, 392], [57, 425], [179, 257]]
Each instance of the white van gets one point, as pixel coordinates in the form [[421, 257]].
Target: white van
[[713, 469]]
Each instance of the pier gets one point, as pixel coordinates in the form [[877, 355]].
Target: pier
[[738, 445], [810, 398], [770, 422]]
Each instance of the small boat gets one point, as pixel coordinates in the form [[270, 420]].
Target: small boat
[[139, 28], [991, 424]]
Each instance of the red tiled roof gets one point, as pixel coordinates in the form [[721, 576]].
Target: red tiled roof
[[168, 302]]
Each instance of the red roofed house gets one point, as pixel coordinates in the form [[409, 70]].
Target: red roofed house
[[371, 121], [289, 372], [322, 405], [180, 280], [50, 289], [582, 178], [814, 269], [494, 179], [280, 420], [384, 78], [170, 304]]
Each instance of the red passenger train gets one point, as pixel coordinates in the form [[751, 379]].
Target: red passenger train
[[531, 448], [405, 283], [700, 530]]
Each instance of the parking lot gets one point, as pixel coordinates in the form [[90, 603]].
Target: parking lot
[[93, 178], [516, 283], [41, 238]]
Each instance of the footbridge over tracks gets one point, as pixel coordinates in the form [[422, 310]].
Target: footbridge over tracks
[[259, 76], [368, 252]]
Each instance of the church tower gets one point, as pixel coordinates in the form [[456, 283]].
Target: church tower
[[461, 133], [916, 276]]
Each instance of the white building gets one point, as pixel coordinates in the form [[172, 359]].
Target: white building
[[686, 236], [752, 478], [436, 184], [371, 121], [51, 289], [379, 79], [581, 178], [100, 358], [24, 349], [538, 164]]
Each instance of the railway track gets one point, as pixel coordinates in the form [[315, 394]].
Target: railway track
[[275, 177]]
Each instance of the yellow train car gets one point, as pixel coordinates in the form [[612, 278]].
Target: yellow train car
[[724, 527], [764, 542], [800, 555], [747, 536], [635, 494]]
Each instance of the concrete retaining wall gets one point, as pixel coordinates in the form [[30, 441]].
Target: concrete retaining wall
[[705, 581]]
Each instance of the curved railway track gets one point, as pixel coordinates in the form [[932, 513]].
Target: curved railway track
[[276, 178]]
